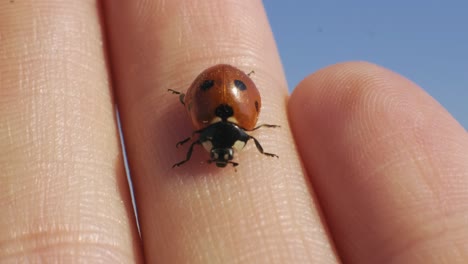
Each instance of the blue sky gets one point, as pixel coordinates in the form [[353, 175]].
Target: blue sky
[[426, 41]]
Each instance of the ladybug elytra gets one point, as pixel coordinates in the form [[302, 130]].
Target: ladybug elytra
[[223, 104]]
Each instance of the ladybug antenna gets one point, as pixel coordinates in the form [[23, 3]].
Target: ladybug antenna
[[250, 73]]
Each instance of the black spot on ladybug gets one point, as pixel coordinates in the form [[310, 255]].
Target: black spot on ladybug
[[240, 85], [224, 111], [256, 106], [207, 84]]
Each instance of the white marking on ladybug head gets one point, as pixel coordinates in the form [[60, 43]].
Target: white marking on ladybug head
[[207, 145], [232, 120], [216, 120], [238, 145]]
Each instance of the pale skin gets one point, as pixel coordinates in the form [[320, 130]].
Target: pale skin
[[371, 169]]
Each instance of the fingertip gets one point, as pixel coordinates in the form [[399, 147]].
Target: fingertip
[[380, 152], [331, 99]]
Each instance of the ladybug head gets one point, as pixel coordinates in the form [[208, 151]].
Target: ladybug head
[[222, 156]]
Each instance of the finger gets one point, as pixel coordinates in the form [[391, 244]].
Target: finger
[[389, 165], [63, 192], [199, 213]]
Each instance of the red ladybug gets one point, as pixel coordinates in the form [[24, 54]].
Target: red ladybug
[[223, 103]]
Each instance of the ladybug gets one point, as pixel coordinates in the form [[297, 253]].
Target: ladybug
[[223, 104]]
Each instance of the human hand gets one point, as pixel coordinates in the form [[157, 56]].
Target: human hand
[[371, 168]]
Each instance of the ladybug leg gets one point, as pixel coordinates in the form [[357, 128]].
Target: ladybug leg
[[180, 143], [189, 154], [183, 142], [260, 148], [181, 95], [264, 125]]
